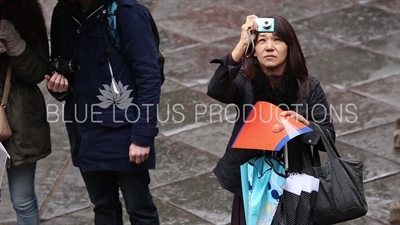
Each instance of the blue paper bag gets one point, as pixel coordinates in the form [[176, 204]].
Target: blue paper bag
[[262, 181]]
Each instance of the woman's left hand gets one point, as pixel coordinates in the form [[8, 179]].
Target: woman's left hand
[[296, 116], [11, 39]]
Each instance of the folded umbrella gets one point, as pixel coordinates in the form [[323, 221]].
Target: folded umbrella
[[297, 202]]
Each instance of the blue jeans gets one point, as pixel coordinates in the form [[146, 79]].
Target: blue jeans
[[21, 181], [103, 186]]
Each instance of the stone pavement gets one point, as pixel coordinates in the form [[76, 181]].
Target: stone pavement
[[352, 46]]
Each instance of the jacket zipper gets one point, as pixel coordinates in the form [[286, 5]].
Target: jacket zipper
[[91, 14]]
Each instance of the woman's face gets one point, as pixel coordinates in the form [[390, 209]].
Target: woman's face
[[271, 53]]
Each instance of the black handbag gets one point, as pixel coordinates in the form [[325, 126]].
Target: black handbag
[[341, 193]]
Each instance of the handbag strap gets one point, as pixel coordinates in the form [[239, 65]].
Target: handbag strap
[[7, 86], [329, 147]]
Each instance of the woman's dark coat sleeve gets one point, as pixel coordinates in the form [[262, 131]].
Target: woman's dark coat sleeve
[[226, 85]]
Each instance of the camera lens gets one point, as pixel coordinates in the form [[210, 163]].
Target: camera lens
[[267, 25]]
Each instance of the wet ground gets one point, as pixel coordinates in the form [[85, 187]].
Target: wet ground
[[352, 47]]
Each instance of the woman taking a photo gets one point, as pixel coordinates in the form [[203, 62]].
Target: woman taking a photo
[[275, 71]]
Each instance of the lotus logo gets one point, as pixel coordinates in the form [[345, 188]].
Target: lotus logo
[[116, 94]]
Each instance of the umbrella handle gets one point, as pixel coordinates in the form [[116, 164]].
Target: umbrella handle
[[286, 157]]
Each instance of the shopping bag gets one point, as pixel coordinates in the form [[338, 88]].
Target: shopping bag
[[3, 160], [262, 181], [341, 194]]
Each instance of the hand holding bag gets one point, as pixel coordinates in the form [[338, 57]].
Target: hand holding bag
[[341, 193], [5, 131]]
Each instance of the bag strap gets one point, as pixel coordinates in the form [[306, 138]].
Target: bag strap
[[7, 86], [329, 147], [113, 35]]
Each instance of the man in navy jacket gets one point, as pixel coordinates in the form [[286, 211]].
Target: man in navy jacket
[[111, 103]]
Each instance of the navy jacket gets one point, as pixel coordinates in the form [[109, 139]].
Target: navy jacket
[[112, 115], [229, 85]]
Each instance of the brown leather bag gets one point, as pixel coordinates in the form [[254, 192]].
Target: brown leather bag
[[5, 131]]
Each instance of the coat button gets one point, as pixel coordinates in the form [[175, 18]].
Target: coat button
[[104, 11], [309, 141], [98, 16], [78, 31]]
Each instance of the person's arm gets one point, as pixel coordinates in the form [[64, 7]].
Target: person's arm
[[28, 63], [225, 85], [139, 47], [57, 84]]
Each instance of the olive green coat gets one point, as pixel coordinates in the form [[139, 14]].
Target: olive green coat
[[26, 109]]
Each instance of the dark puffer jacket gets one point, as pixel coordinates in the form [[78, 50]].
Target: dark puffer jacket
[[229, 85]]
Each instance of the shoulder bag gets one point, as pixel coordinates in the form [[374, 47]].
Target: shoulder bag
[[5, 131], [341, 193]]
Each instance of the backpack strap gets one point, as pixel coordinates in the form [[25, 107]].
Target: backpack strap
[[154, 29], [113, 37], [112, 24]]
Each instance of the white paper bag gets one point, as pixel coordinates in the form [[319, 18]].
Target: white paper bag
[[3, 159]]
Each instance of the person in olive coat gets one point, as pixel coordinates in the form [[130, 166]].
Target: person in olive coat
[[24, 46]]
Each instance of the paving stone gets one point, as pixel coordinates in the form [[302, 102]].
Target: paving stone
[[389, 45], [377, 140], [212, 138], [70, 196], [191, 67], [295, 10], [386, 90], [380, 194], [178, 161], [351, 112], [314, 44], [351, 66], [169, 215], [201, 87], [355, 24], [198, 26], [169, 86], [186, 109], [163, 10], [170, 42], [200, 195], [388, 5]]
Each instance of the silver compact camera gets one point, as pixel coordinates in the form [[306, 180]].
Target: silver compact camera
[[265, 25]]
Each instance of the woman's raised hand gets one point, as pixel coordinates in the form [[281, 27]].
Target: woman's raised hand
[[249, 25], [241, 47]]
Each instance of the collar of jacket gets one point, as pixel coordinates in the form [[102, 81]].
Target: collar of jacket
[[71, 6]]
